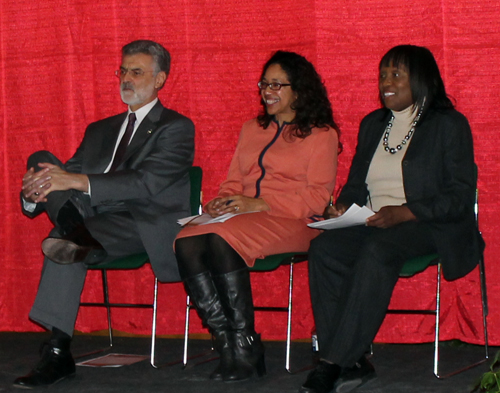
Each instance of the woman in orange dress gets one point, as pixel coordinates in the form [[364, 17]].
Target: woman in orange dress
[[282, 174]]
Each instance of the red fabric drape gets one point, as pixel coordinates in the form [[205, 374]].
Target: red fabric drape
[[57, 62]]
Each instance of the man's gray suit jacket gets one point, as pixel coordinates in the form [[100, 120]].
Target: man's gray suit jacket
[[152, 182]]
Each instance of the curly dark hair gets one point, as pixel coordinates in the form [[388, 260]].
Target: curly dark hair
[[425, 79], [312, 106]]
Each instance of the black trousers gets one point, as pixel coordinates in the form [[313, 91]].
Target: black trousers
[[352, 273]]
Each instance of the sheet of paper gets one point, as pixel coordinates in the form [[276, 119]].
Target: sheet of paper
[[113, 360], [205, 218], [198, 219], [355, 215]]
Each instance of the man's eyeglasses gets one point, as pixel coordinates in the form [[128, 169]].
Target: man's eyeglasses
[[134, 72], [273, 85]]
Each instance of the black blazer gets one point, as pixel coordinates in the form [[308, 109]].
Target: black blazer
[[439, 179]]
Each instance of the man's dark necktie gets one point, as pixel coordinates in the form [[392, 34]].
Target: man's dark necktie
[[122, 147]]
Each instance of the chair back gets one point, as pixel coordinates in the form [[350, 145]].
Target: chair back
[[195, 178]]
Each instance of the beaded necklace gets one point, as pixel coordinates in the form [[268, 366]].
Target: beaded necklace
[[385, 141]]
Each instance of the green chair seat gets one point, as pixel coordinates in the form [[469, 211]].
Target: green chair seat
[[418, 264], [272, 262], [129, 262]]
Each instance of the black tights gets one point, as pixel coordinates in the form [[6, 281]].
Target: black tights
[[209, 252]]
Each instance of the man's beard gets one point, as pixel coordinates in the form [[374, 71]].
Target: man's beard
[[139, 95]]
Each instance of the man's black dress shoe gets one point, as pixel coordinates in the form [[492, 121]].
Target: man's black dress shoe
[[55, 365], [353, 377], [321, 379], [77, 246]]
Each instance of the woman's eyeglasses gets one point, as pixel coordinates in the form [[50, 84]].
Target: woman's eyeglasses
[[273, 85]]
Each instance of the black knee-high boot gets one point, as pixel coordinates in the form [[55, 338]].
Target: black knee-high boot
[[203, 294], [235, 294]]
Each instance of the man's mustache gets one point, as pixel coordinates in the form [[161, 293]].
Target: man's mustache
[[127, 86]]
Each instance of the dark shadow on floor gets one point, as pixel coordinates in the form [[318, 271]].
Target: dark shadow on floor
[[400, 368]]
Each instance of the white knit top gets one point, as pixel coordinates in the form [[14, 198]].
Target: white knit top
[[385, 177]]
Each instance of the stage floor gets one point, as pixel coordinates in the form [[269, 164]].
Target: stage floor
[[400, 368]]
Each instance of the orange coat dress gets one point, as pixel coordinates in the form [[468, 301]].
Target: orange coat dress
[[294, 176]]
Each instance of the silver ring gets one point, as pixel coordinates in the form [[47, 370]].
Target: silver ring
[[36, 193], [236, 208]]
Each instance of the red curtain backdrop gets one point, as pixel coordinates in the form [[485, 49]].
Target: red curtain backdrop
[[57, 63]]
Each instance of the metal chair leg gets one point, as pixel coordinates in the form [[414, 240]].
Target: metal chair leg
[[436, 335], [185, 356], [436, 343], [153, 325], [289, 327], [484, 299], [186, 332], [107, 305], [106, 302]]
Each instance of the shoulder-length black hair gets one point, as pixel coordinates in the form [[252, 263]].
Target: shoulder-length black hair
[[425, 79], [312, 106]]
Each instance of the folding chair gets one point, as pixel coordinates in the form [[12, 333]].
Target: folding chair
[[417, 265], [269, 263], [137, 261]]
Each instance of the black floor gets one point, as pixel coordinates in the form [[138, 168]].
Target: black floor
[[400, 368]]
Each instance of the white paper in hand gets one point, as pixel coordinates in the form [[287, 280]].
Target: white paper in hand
[[205, 218], [355, 215]]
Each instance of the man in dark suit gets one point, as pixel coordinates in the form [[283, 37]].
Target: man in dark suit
[[120, 194]]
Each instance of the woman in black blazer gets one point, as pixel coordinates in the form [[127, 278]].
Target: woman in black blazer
[[414, 166]]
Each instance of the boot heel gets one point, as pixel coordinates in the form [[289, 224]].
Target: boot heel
[[260, 367]]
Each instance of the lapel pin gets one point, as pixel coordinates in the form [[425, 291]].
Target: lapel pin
[[150, 131]]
